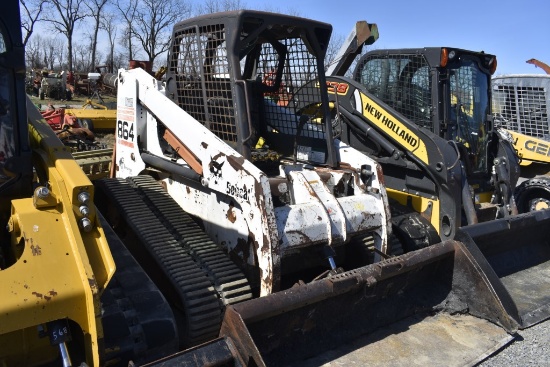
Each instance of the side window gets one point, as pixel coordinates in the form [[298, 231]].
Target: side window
[[421, 97], [380, 76], [401, 81], [201, 68], [469, 87]]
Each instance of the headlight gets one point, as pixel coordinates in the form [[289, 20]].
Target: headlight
[[504, 134]]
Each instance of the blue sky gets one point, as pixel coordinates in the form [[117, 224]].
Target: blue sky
[[514, 31]]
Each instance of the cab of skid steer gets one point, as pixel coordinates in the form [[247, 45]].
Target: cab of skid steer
[[15, 153], [237, 73], [446, 91]]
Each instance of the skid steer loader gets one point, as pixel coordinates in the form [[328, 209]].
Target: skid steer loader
[[62, 304], [270, 238], [54, 257], [520, 105], [425, 116]]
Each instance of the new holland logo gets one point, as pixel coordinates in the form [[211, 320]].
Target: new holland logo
[[390, 124], [394, 128]]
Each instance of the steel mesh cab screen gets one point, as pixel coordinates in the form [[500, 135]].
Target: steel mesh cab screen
[[402, 82], [521, 109], [202, 68], [199, 61], [300, 67]]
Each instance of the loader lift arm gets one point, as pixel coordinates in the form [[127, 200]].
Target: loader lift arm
[[362, 34]]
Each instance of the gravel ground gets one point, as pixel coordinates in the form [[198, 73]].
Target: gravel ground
[[531, 347]]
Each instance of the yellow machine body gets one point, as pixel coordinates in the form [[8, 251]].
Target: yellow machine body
[[59, 269]]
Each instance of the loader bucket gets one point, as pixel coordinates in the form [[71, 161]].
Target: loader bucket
[[517, 251], [431, 306]]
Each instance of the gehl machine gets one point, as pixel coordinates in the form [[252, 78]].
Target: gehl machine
[[265, 240], [520, 105]]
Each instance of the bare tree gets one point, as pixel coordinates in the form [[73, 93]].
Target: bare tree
[[64, 18], [81, 57], [51, 47], [336, 42], [60, 55], [153, 24], [119, 61], [88, 39], [33, 52], [99, 55], [214, 6], [128, 13], [108, 24], [31, 13], [96, 8]]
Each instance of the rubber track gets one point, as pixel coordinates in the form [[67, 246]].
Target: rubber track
[[199, 270], [138, 323]]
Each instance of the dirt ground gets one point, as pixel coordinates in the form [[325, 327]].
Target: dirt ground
[[75, 101]]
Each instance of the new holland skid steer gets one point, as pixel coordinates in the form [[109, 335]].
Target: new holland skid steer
[[249, 232], [425, 116]]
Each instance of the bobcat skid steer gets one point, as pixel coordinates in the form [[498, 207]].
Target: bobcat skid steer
[[271, 239]]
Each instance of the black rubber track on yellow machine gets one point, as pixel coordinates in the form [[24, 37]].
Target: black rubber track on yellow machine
[[200, 272]]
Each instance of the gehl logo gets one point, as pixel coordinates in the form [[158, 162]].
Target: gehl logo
[[536, 147]]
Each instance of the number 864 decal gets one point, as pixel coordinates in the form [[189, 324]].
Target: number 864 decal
[[125, 133], [125, 130]]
